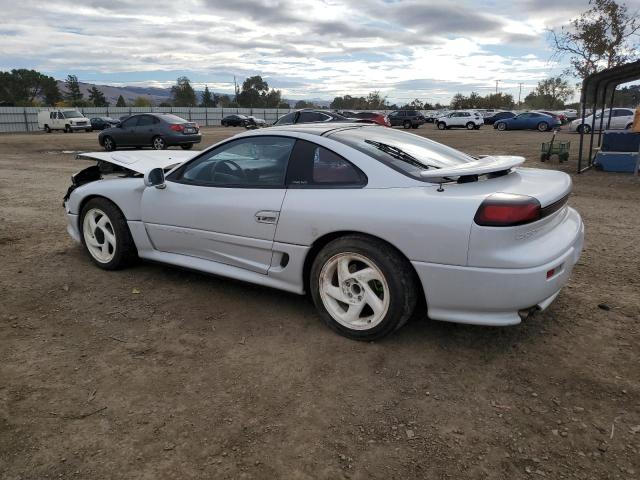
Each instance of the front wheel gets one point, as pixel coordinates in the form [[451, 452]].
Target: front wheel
[[158, 143], [187, 146], [105, 235], [442, 126], [502, 126], [47, 128], [543, 126], [585, 129], [67, 129], [362, 287], [470, 126], [628, 127]]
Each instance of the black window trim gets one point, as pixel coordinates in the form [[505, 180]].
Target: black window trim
[[176, 175]]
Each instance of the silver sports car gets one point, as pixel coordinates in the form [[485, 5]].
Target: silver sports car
[[367, 219]]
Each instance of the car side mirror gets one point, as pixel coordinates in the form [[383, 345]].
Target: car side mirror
[[119, 125], [154, 178]]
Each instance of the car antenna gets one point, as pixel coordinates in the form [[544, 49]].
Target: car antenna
[[440, 189]]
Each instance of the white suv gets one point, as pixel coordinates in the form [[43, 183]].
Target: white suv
[[460, 118], [621, 118]]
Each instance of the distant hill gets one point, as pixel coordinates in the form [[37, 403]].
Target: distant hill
[[156, 95]]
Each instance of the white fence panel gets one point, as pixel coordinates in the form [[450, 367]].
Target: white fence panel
[[25, 119]]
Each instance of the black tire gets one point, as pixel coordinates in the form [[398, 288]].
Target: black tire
[[158, 143], [406, 124], [87, 130], [628, 127], [502, 126], [396, 270], [543, 127], [109, 144], [125, 252], [187, 146], [470, 125], [224, 124], [415, 126], [47, 128], [586, 129], [442, 126], [67, 129]]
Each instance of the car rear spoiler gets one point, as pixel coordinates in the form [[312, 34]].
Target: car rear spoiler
[[482, 166]]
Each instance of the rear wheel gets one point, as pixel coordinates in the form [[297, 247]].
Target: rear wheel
[[442, 126], [502, 126], [362, 287], [187, 146], [543, 127], [415, 126], [47, 128], [470, 126], [158, 143], [105, 235], [109, 144], [628, 127], [584, 129]]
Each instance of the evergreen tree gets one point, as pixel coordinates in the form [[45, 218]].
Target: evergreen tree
[[183, 93], [208, 99], [97, 98], [121, 102], [73, 94]]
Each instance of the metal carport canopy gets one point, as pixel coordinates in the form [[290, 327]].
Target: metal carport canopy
[[594, 89]]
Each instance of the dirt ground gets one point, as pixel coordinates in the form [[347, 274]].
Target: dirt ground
[[203, 377]]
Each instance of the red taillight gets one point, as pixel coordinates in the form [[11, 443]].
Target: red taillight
[[507, 210], [177, 127]]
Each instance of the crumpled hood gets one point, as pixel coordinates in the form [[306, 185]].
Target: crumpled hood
[[140, 161]]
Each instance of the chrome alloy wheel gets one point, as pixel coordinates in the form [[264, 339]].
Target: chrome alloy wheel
[[354, 291], [99, 235]]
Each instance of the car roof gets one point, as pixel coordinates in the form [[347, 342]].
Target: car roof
[[319, 129]]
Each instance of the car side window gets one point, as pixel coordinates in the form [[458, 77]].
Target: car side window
[[130, 122], [243, 163], [312, 117], [314, 166], [288, 119], [146, 120], [621, 113]]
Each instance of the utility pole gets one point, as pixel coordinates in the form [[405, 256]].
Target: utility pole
[[235, 90], [497, 86], [519, 93]]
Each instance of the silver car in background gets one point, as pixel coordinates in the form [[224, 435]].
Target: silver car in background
[[367, 219]]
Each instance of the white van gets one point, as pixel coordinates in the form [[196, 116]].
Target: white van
[[68, 120]]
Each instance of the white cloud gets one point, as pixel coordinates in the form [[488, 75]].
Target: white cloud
[[318, 48]]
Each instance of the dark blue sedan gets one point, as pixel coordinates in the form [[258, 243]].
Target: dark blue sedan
[[528, 121]]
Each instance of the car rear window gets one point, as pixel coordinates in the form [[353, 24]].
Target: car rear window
[[408, 153], [170, 118]]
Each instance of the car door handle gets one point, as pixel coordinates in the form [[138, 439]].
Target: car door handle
[[267, 216]]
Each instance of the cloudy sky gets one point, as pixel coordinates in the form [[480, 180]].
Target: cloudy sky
[[309, 49]]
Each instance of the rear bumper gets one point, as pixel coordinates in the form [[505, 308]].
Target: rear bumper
[[494, 296], [80, 127], [181, 139]]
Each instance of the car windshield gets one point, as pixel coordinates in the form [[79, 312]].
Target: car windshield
[[72, 114], [402, 151]]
